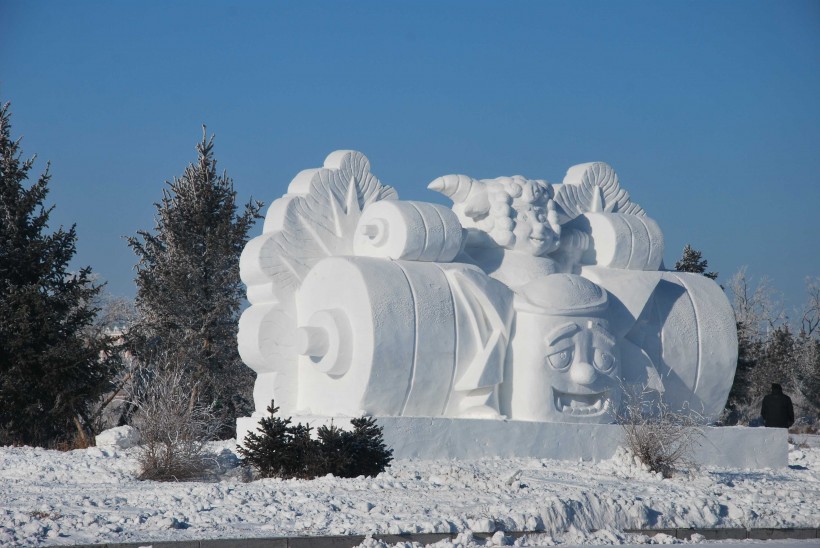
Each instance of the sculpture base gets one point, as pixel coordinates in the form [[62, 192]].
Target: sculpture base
[[444, 438]]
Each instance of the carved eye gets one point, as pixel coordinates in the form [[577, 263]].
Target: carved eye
[[560, 360], [603, 360]]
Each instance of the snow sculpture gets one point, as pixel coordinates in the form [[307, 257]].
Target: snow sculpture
[[567, 360], [528, 300]]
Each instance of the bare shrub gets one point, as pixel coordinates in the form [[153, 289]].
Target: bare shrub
[[663, 439], [174, 428]]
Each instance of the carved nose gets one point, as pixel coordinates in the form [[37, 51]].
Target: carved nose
[[582, 373]]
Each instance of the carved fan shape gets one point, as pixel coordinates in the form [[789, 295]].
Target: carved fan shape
[[321, 222], [594, 187]]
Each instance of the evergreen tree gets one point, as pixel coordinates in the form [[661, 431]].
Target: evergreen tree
[[267, 451], [188, 287], [748, 354], [692, 261], [51, 372], [778, 360], [371, 455], [283, 450]]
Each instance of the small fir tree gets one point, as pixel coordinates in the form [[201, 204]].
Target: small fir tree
[[51, 371], [336, 450], [283, 450], [303, 458], [188, 287], [371, 456], [267, 450], [692, 261]]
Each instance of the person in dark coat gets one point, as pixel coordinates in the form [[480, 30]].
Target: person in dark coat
[[777, 410]]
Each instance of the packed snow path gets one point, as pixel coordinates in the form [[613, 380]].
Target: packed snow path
[[93, 496]]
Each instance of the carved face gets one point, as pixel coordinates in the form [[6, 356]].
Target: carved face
[[565, 362], [520, 215], [581, 368], [565, 368]]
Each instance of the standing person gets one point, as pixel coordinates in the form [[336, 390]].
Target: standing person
[[777, 410]]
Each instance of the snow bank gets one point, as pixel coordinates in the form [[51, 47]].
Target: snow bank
[[91, 495], [121, 436]]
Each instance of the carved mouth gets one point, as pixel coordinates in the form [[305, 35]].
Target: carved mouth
[[581, 405]]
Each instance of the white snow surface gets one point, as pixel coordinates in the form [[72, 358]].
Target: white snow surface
[[121, 436], [93, 496]]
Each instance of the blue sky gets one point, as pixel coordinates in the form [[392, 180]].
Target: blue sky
[[709, 111]]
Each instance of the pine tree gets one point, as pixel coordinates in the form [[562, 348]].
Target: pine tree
[[776, 364], [739, 401], [358, 452], [371, 454], [283, 450], [267, 451], [51, 372], [692, 261], [188, 287]]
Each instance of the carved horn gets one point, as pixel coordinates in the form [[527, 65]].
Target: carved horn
[[456, 187]]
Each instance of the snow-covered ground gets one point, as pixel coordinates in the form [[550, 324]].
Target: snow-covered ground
[[92, 495]]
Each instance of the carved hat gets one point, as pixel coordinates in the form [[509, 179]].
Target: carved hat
[[562, 294]]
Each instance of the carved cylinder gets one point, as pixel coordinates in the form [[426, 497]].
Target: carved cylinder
[[628, 242], [411, 231], [375, 336]]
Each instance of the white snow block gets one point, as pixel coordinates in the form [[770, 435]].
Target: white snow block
[[444, 438], [121, 436], [427, 438]]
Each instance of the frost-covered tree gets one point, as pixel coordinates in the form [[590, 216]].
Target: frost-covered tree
[[51, 371], [807, 342], [188, 288], [807, 361], [770, 351], [692, 261], [757, 314], [114, 319]]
